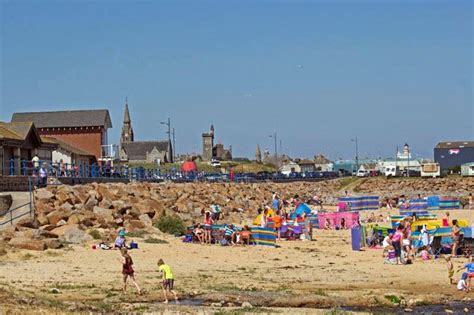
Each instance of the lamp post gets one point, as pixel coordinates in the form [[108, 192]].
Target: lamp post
[[408, 161], [356, 140], [274, 136], [175, 153], [168, 123]]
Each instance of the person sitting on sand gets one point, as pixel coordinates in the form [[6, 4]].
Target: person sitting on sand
[[229, 233], [387, 241], [327, 224], [446, 219], [424, 254], [208, 222], [381, 219], [450, 267], [470, 270], [120, 241], [391, 257], [168, 280], [245, 235], [343, 224], [462, 284], [127, 270], [199, 233]]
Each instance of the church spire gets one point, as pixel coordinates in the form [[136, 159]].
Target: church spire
[[126, 117], [127, 130], [258, 155]]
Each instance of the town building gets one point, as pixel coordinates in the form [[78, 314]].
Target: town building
[[453, 154], [68, 155], [322, 163], [19, 143], [141, 152], [306, 166], [211, 151], [82, 129]]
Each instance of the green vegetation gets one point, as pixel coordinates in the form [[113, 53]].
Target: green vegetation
[[153, 240], [393, 298], [346, 181], [137, 233], [171, 225], [95, 234], [320, 292]]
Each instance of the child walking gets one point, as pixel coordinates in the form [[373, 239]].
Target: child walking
[[168, 280], [127, 270], [450, 267]]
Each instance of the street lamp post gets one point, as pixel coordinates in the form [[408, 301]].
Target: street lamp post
[[356, 140], [168, 123], [274, 136], [175, 153]]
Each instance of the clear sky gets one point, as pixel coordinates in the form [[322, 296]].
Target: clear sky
[[317, 72]]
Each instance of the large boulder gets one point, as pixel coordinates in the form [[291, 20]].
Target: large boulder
[[27, 243], [106, 214], [5, 203], [28, 223], [52, 243], [60, 231], [56, 216], [43, 195], [75, 235], [91, 203], [145, 219]]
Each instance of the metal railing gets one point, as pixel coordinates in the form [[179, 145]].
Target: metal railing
[[12, 217]]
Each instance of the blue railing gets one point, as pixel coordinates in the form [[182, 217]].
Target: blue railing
[[38, 170]]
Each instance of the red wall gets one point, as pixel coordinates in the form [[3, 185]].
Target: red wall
[[89, 140]]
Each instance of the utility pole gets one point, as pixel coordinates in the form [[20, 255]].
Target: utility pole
[[408, 161], [168, 123], [274, 136], [175, 154], [356, 140]]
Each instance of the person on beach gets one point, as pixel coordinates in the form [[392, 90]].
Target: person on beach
[[275, 202], [168, 280], [446, 219], [462, 284], [456, 234], [277, 220], [450, 266], [127, 270], [199, 233], [397, 243], [470, 270], [327, 224], [120, 241], [244, 235], [264, 218], [425, 255], [386, 243], [208, 222], [471, 202]]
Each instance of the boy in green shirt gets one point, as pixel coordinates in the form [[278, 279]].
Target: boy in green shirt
[[168, 280]]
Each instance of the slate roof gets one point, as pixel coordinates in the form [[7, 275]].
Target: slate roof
[[455, 144], [73, 118], [137, 150]]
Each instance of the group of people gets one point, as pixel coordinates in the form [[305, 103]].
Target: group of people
[[128, 272]]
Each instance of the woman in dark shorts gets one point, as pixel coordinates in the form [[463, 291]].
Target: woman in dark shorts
[[127, 270], [456, 234]]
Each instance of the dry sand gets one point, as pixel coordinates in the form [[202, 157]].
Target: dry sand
[[324, 273]]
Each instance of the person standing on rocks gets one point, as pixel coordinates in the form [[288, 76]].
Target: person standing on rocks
[[471, 202], [127, 270]]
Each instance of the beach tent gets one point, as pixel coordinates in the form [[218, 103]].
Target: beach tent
[[302, 208]]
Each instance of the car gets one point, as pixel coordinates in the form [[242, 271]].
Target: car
[[412, 173], [362, 173]]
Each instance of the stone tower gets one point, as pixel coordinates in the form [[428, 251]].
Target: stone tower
[[208, 144], [127, 131], [258, 155]]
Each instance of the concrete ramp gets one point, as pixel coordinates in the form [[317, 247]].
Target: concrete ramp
[[21, 204]]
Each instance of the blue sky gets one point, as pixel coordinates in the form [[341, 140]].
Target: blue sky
[[317, 72]]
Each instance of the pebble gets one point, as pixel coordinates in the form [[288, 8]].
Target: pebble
[[408, 310], [216, 305], [449, 311], [54, 291], [246, 305], [466, 310]]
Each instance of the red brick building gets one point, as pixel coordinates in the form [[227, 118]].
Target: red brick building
[[83, 129]]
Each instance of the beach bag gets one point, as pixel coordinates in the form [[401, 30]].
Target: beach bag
[[224, 242], [133, 245], [188, 238]]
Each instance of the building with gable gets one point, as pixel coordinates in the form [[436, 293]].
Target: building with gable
[[140, 152]]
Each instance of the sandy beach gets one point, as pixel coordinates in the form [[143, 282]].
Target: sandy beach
[[324, 273]]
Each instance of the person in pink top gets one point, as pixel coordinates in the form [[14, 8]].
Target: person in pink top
[[397, 239]]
